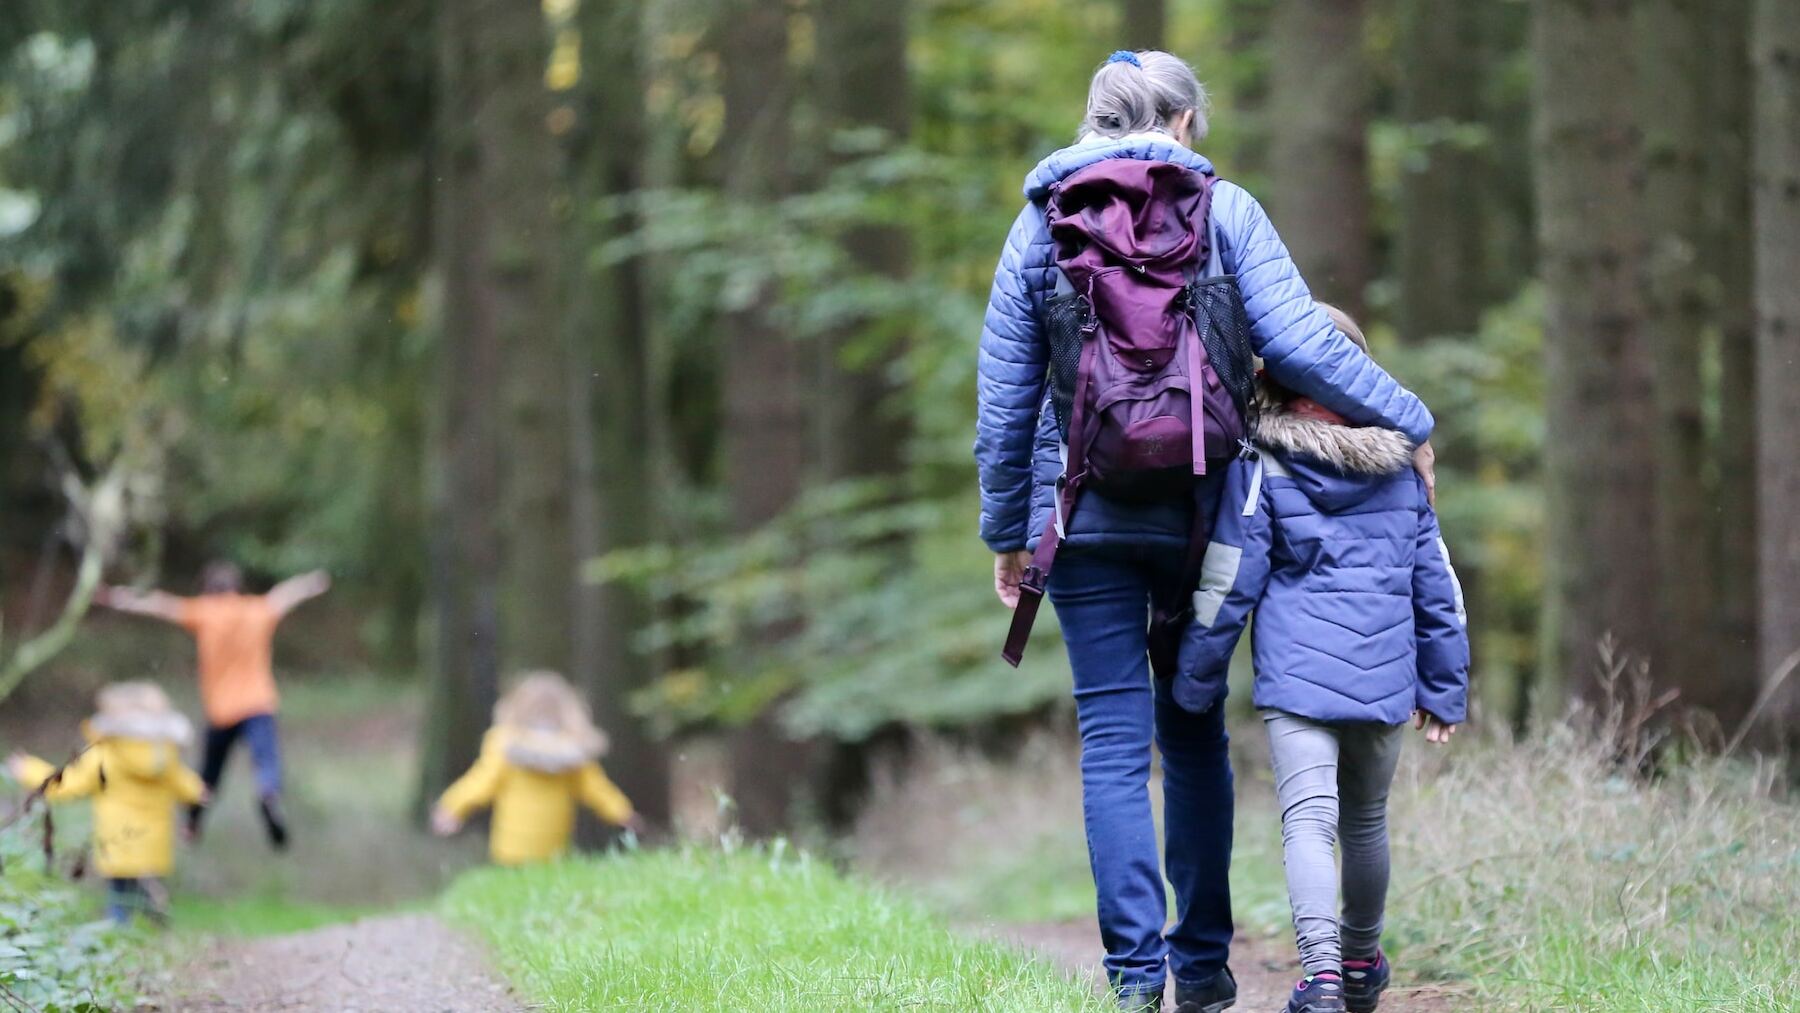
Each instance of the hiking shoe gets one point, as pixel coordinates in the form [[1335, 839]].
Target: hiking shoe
[[1318, 993], [275, 822], [1364, 981], [1218, 994], [1141, 1002]]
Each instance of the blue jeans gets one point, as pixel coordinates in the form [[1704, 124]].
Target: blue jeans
[[1102, 600], [265, 753]]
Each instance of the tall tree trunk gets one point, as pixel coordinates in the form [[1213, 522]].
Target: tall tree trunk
[[1443, 189], [1320, 99], [1732, 237], [1775, 44], [765, 426], [465, 570], [1673, 121], [862, 426], [540, 547], [1599, 457], [612, 403], [1145, 24]]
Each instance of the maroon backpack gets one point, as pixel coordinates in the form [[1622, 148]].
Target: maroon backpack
[[1150, 361]]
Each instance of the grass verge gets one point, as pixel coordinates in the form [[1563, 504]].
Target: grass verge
[[762, 929]]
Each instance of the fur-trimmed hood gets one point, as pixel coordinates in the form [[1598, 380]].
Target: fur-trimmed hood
[[1350, 450]]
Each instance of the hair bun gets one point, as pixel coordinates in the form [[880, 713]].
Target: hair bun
[[1125, 56]]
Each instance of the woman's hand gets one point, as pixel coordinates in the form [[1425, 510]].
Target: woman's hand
[[1009, 569], [1425, 463], [1436, 732]]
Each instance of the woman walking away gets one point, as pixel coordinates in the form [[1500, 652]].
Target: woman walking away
[[1127, 201], [1328, 536], [132, 770], [538, 760]]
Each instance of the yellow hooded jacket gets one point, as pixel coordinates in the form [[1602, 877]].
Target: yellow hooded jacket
[[135, 785], [534, 806]]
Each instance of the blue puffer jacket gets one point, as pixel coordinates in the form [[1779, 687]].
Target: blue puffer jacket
[[1326, 534], [1015, 435]]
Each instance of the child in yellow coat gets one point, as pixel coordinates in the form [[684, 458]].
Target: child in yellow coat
[[537, 761], [132, 770]]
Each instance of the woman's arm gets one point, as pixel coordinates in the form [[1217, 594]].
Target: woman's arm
[[150, 604], [1299, 345], [1010, 386]]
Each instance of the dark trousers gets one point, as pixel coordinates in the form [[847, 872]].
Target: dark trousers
[[265, 755], [129, 898], [1102, 601]]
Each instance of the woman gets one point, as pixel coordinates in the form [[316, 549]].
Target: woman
[[1115, 557]]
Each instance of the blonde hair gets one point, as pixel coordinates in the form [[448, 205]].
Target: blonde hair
[[545, 702], [1143, 93], [1348, 326]]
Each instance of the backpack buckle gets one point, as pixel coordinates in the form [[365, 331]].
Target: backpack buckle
[[1033, 579]]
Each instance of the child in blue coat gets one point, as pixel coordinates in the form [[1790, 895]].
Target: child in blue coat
[[1327, 534]]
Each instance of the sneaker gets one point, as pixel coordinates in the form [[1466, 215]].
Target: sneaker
[[275, 822], [1218, 994], [1364, 981], [1318, 993]]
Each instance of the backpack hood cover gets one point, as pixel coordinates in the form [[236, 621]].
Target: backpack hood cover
[[1133, 223]]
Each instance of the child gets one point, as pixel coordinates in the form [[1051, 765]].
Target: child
[[536, 762], [1326, 533], [132, 768]]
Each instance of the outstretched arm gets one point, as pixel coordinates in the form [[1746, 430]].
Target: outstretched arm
[[598, 793], [290, 593], [474, 790], [152, 604]]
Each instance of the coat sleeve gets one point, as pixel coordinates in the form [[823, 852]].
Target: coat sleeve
[[1299, 345], [1010, 373], [477, 788], [598, 793], [1232, 580], [186, 784], [1440, 625], [81, 778]]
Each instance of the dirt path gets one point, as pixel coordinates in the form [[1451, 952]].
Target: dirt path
[[410, 962], [1264, 968]]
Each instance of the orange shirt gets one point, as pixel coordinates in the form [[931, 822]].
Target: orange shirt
[[236, 637]]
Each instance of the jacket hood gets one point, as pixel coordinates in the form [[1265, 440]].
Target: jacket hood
[[140, 759], [1058, 165], [546, 750], [1330, 462]]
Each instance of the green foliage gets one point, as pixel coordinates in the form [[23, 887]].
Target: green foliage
[[764, 929], [56, 954]]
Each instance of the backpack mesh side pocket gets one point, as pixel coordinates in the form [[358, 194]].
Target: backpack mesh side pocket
[[1064, 318], [1224, 328]]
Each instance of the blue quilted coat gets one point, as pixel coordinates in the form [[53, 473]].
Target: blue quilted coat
[[1326, 534], [1016, 446]]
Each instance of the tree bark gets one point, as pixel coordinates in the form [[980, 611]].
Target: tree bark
[[765, 429], [612, 403], [1599, 457], [1320, 98], [1731, 238], [1145, 24], [465, 565], [1673, 121], [539, 588], [1775, 42], [1443, 189]]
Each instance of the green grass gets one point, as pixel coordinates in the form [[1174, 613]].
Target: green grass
[[256, 915], [755, 929]]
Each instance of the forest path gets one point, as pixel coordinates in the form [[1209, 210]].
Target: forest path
[[410, 962], [1264, 968]]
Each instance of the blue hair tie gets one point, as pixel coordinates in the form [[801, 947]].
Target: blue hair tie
[[1125, 56]]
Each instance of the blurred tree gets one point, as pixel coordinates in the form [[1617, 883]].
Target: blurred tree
[[1444, 189], [610, 330], [1673, 122], [1145, 24], [765, 426], [1599, 453], [479, 49], [1319, 102], [1775, 36], [1729, 243]]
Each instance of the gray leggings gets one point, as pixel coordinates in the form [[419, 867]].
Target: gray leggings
[[1331, 782]]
